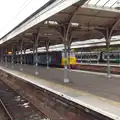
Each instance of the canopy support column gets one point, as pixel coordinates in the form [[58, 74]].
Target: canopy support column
[[66, 33], [69, 67], [21, 59], [33, 53], [66, 79], [69, 50], [90, 57], [118, 56], [36, 38], [6, 57], [12, 57], [81, 56], [108, 37], [98, 57], [108, 62], [47, 53], [1, 60], [17, 57], [24, 56]]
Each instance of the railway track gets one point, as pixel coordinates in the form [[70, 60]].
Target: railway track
[[16, 107], [4, 114]]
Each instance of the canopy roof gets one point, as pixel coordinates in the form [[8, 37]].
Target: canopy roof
[[85, 19], [103, 3]]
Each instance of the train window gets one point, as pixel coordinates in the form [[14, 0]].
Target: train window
[[63, 54], [72, 54]]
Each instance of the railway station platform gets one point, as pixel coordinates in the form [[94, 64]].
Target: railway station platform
[[100, 67], [92, 90], [100, 64]]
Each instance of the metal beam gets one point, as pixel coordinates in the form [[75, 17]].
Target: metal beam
[[39, 17], [108, 9], [114, 25]]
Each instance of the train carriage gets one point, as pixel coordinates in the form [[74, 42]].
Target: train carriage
[[55, 58]]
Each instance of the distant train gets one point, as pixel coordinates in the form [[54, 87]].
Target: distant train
[[55, 58], [98, 56]]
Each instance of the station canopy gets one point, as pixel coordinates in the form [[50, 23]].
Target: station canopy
[[85, 19]]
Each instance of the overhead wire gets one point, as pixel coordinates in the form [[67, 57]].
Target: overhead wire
[[19, 11], [22, 8]]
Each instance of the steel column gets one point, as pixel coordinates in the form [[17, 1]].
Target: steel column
[[98, 57], [17, 57], [119, 56], [33, 53], [65, 34], [36, 55], [47, 58], [24, 56], [6, 58], [69, 67], [108, 37], [21, 59], [90, 57], [66, 79], [81, 55], [108, 62], [47, 53], [1, 56], [12, 57]]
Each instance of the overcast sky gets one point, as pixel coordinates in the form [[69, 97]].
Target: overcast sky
[[12, 12]]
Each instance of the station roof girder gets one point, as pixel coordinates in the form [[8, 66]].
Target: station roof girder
[[86, 22]]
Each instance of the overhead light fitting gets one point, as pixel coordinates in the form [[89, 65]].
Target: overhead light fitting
[[75, 24], [51, 22]]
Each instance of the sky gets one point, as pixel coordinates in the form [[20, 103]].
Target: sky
[[12, 12], [105, 3]]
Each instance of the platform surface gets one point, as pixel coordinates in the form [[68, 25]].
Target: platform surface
[[101, 64], [94, 90]]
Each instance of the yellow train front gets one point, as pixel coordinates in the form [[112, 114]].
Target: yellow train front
[[71, 59]]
